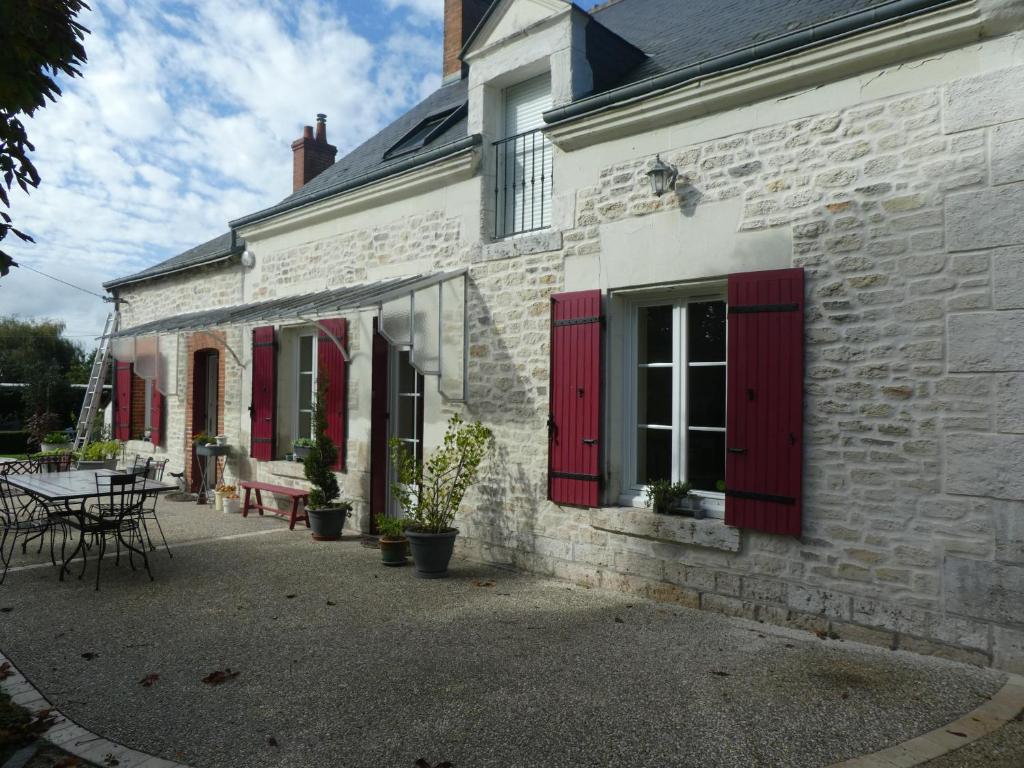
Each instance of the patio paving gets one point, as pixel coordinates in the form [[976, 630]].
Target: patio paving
[[343, 662]]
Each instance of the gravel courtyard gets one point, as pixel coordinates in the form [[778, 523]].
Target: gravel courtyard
[[343, 662]]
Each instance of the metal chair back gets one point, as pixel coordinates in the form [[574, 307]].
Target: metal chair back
[[19, 467], [119, 495], [61, 463]]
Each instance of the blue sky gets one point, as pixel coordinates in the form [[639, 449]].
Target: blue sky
[[183, 121]]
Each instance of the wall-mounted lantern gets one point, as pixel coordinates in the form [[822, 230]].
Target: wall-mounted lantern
[[663, 177]]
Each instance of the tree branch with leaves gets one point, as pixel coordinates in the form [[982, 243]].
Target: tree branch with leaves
[[39, 41]]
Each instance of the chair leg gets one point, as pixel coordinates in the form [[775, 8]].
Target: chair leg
[[5, 559], [99, 560], [160, 528]]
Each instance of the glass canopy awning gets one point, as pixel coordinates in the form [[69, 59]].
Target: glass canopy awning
[[426, 313]]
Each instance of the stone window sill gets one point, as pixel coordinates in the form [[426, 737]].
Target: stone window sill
[[521, 245], [644, 524], [289, 469]]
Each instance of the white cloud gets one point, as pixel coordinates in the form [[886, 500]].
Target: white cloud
[[183, 121]]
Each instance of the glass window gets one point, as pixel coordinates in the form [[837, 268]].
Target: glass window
[[306, 387], [678, 393]]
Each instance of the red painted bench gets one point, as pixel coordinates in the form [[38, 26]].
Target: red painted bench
[[293, 493]]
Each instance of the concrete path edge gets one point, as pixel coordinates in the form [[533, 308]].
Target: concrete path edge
[[1006, 704], [69, 735]]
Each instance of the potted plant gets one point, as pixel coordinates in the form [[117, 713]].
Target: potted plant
[[665, 497], [55, 441], [326, 514], [100, 454], [393, 545], [221, 439], [302, 447], [232, 503], [431, 492], [203, 439]]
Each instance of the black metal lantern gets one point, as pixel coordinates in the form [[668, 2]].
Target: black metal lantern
[[663, 177]]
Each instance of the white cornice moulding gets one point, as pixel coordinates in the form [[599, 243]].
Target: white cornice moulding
[[441, 173], [901, 42]]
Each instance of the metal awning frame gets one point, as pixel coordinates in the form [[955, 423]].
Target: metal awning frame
[[312, 308]]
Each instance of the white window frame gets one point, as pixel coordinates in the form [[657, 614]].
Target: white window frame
[[297, 411], [633, 491]]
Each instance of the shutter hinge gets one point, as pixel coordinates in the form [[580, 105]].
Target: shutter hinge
[[579, 321], [755, 308]]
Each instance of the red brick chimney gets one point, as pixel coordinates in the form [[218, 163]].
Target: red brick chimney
[[311, 155], [460, 19]]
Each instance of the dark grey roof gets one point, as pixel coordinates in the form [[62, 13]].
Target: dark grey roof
[[366, 162], [675, 33], [320, 304], [221, 247]]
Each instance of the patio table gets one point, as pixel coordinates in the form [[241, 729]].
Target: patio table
[[71, 491]]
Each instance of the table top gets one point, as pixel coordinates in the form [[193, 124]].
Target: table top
[[78, 484]]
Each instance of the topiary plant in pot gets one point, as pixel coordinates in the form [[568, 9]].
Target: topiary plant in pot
[[393, 545], [431, 492], [326, 514]]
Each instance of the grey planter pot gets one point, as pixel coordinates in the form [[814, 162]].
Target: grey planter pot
[[431, 552], [327, 524], [301, 451], [105, 464]]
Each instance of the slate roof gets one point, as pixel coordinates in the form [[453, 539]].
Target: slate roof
[[220, 247], [675, 34]]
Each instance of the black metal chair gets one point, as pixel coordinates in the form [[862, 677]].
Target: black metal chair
[[21, 516], [61, 463], [116, 515], [151, 469]]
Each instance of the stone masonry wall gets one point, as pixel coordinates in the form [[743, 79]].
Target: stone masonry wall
[[906, 215]]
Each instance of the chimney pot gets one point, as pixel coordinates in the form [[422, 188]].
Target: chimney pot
[[311, 155]]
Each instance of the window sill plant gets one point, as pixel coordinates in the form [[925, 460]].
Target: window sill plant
[[394, 546], [666, 498], [302, 447], [326, 514], [431, 492]]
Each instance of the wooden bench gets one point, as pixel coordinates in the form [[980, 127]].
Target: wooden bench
[[293, 493]]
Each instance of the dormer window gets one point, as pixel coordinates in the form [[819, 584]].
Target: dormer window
[[523, 160], [424, 133]]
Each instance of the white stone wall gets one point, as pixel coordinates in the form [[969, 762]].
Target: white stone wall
[[905, 212]]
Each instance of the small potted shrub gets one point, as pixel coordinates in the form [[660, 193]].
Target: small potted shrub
[[302, 447], [203, 439], [55, 442], [326, 514], [232, 504], [666, 497], [393, 545], [431, 492], [100, 454]]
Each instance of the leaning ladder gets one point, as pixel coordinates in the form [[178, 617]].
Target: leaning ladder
[[97, 377]]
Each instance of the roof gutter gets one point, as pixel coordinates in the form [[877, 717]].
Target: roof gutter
[[860, 21], [165, 273], [367, 178]]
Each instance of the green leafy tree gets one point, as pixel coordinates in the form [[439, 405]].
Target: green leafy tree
[[431, 492], [37, 354], [39, 40], [318, 466]]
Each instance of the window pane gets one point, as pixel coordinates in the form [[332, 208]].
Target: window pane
[[305, 425], [706, 322], [306, 353], [406, 374], [407, 416], [654, 335], [706, 460], [707, 396], [654, 455], [305, 391], [654, 396]]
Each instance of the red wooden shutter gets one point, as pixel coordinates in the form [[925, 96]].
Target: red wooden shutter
[[156, 414], [264, 380], [574, 424], [331, 362], [764, 426], [123, 401]]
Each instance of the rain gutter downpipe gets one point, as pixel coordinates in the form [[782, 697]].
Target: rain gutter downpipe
[[860, 21]]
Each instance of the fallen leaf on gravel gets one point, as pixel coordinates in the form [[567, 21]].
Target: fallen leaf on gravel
[[618, 620], [218, 677], [289, 597], [331, 603], [487, 583], [844, 695], [271, 741], [110, 760], [89, 655], [822, 634], [148, 680], [8, 609], [957, 733], [719, 673], [5, 670], [421, 763]]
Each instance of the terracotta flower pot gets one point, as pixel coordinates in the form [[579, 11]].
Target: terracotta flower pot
[[393, 552]]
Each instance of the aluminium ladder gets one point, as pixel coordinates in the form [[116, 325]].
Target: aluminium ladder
[[97, 377]]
